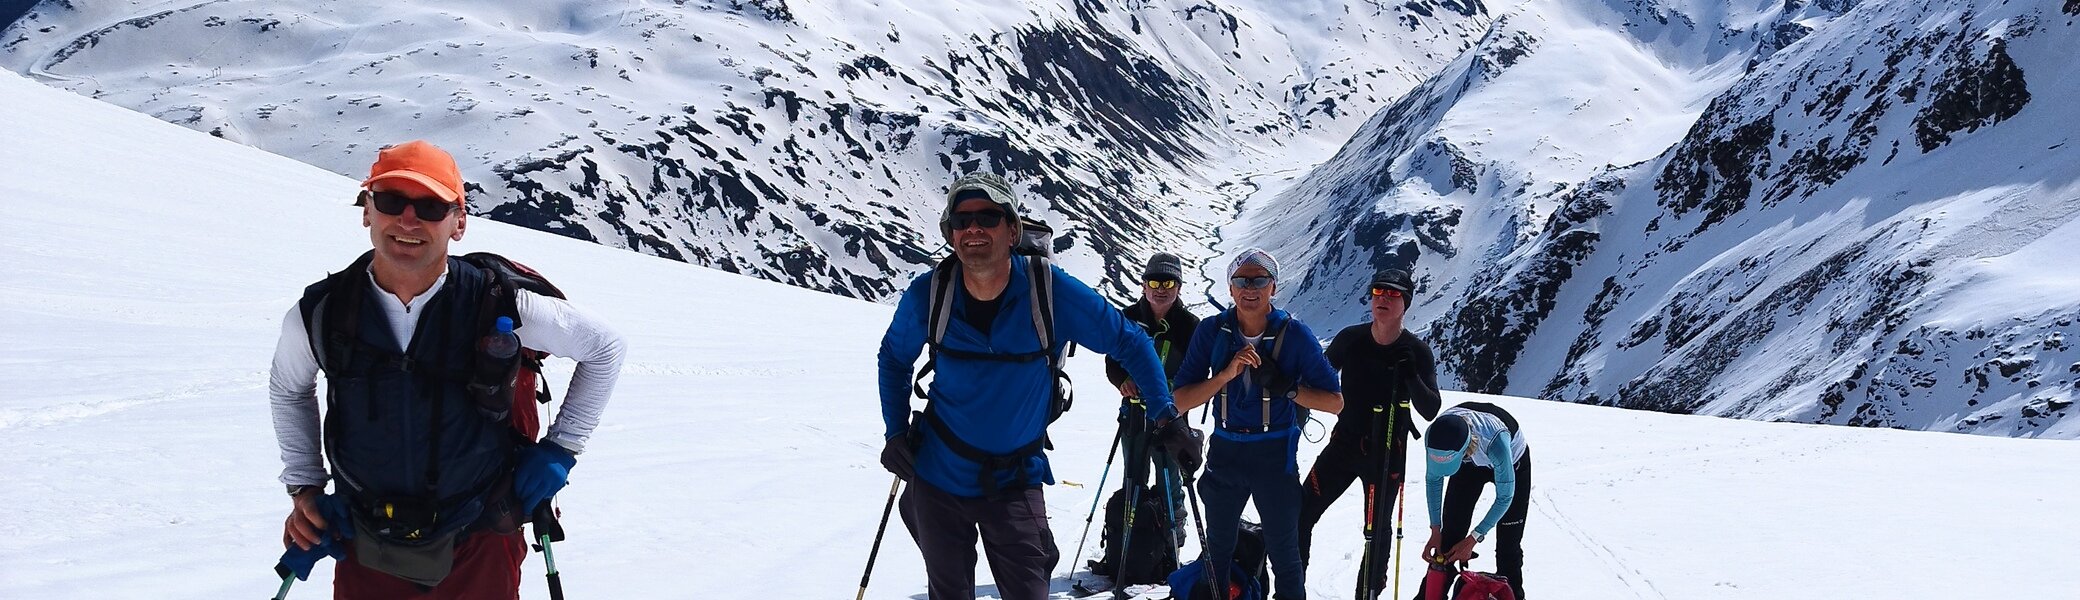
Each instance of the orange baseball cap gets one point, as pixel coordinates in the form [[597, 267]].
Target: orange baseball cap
[[422, 163]]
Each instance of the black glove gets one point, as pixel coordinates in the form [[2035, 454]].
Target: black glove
[[900, 457], [1275, 382], [1183, 444]]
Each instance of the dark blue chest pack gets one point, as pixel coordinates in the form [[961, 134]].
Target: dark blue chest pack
[[1275, 408], [421, 433], [1040, 292]]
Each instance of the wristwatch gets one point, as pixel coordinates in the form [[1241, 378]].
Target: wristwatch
[[1480, 537], [299, 489]]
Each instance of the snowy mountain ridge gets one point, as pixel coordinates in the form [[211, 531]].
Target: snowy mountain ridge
[[150, 270], [802, 141], [1820, 211], [1773, 211]]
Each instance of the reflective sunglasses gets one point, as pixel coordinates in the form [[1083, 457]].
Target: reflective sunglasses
[[1162, 284], [983, 218], [1251, 283], [1380, 290], [393, 204]]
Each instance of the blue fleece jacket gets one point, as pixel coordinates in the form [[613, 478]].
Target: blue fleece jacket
[[1242, 413], [1000, 406]]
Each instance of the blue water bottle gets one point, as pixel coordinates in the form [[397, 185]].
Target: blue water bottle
[[502, 344]]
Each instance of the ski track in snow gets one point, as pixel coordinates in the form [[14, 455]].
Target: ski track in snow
[[1631, 577]]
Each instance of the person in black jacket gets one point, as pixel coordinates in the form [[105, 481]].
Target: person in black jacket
[[1170, 324], [1381, 365]]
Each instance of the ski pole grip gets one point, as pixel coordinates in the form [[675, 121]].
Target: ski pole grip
[[545, 522]]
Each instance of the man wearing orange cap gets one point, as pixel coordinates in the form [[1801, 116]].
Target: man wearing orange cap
[[419, 351]]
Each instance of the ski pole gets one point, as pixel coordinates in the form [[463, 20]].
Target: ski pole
[[1191, 488], [288, 579], [1100, 493], [1137, 416], [1365, 570], [547, 529], [1170, 508], [1400, 503], [878, 531]]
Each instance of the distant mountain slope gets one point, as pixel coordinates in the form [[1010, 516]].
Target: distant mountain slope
[[1836, 212], [147, 278], [803, 141]]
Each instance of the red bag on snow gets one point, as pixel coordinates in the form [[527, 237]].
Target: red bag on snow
[[1483, 586], [1437, 585]]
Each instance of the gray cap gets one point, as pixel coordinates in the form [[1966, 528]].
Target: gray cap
[[980, 185], [1164, 265]]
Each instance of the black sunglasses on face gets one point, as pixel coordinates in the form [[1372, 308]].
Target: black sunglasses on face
[[1162, 284], [1251, 283], [393, 204], [984, 218]]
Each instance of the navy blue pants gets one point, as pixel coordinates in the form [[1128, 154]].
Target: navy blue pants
[[1264, 470]]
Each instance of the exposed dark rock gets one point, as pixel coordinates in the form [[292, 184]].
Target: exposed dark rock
[[1483, 337], [1714, 171], [1977, 92]]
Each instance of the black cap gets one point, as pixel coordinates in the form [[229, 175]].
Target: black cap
[[1447, 433], [1394, 279], [1163, 266], [1398, 280]]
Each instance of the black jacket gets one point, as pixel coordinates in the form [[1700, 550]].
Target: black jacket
[[1376, 375], [1172, 334]]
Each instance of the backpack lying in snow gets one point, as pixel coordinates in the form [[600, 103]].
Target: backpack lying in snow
[[1483, 586], [1189, 583], [1469, 585]]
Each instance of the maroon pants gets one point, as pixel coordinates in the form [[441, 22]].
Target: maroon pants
[[487, 567]]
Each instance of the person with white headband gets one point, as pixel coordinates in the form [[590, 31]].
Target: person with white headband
[[1271, 372]]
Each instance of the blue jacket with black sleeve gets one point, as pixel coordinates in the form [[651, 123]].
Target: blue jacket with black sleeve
[[999, 406]]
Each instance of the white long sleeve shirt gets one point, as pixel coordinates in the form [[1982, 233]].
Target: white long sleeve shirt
[[548, 324]]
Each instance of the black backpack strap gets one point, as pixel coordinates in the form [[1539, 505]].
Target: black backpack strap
[[986, 477]]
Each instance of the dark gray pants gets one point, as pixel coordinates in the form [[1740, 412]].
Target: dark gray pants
[[1013, 528]]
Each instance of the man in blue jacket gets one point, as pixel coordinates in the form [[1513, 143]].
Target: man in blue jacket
[[1274, 373], [973, 455]]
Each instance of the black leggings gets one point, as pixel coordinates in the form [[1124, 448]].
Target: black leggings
[[1461, 492], [1333, 472]]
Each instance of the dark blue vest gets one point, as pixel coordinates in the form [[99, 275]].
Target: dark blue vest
[[403, 426]]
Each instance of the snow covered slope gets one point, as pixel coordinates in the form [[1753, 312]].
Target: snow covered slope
[[1822, 212], [802, 141], [146, 267]]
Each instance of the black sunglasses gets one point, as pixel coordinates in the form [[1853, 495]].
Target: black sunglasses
[[984, 218], [1162, 284], [393, 203], [1251, 283]]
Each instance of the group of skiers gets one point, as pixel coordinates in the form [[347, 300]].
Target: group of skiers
[[432, 444], [974, 459]]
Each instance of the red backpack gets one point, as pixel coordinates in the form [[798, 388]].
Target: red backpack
[[524, 386], [1438, 585], [1483, 586]]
